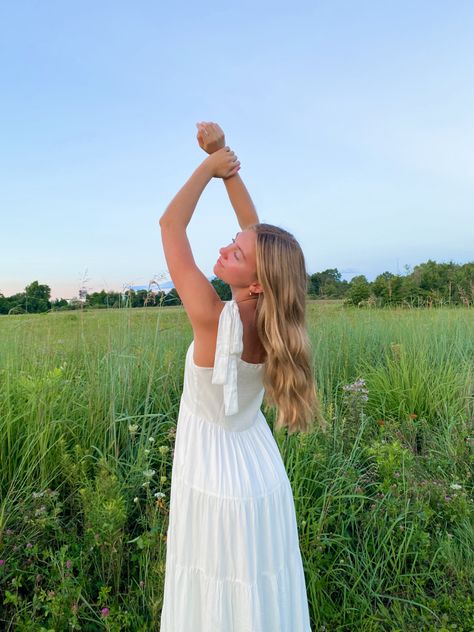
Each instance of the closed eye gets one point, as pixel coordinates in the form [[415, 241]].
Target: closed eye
[[235, 252]]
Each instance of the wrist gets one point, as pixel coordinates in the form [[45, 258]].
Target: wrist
[[206, 168]]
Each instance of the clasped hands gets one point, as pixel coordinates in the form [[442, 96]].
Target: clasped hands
[[222, 161]]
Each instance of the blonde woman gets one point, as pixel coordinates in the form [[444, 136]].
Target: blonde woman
[[233, 562]]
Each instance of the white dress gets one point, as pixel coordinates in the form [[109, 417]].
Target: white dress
[[233, 562]]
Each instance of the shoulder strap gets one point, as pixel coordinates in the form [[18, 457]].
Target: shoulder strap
[[229, 347]]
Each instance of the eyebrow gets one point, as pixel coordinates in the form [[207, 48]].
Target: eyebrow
[[243, 254]]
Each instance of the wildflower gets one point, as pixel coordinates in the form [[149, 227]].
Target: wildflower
[[104, 612], [2, 562], [397, 474], [149, 473], [356, 391], [132, 428], [357, 387], [447, 498], [151, 439], [163, 449], [146, 451], [29, 545], [135, 500], [142, 584], [146, 484], [159, 495], [163, 479], [455, 486], [68, 564]]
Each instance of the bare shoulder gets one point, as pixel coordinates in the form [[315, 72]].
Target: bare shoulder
[[205, 337]]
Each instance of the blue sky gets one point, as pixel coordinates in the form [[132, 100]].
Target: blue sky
[[352, 121]]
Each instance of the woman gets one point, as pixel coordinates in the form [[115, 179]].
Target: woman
[[233, 562]]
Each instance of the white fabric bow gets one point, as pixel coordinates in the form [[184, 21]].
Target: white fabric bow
[[229, 347]]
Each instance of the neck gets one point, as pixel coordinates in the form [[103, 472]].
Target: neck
[[249, 298]]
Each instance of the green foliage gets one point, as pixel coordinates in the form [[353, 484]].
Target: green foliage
[[384, 500], [105, 514], [359, 290], [222, 288]]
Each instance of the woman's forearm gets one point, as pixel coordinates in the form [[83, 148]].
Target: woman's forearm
[[181, 208], [241, 201]]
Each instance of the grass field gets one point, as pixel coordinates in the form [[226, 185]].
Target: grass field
[[384, 500]]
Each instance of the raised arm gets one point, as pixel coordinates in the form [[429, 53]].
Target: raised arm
[[211, 138]]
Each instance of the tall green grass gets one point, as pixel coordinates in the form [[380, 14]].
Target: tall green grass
[[384, 500]]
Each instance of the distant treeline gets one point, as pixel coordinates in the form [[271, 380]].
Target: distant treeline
[[429, 284]]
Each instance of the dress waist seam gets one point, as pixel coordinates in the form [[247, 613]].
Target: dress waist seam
[[218, 422]]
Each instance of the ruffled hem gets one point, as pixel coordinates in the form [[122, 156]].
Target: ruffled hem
[[196, 601]]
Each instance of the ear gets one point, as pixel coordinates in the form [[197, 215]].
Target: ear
[[256, 288]]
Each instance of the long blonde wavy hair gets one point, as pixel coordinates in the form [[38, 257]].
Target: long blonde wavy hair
[[288, 376]]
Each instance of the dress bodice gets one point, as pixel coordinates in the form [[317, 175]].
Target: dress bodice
[[229, 393]]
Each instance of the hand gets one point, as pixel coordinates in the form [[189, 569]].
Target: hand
[[223, 163], [210, 137]]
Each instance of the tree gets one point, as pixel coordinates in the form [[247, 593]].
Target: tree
[[359, 290], [59, 304], [37, 298], [4, 304], [172, 298], [326, 283], [222, 288]]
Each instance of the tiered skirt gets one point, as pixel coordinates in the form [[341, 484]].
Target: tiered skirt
[[233, 561]]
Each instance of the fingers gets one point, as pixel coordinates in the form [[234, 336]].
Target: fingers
[[209, 128], [202, 128]]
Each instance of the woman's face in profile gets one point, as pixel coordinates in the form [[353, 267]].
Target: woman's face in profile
[[237, 262]]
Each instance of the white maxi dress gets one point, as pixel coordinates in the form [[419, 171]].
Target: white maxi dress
[[233, 561]]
